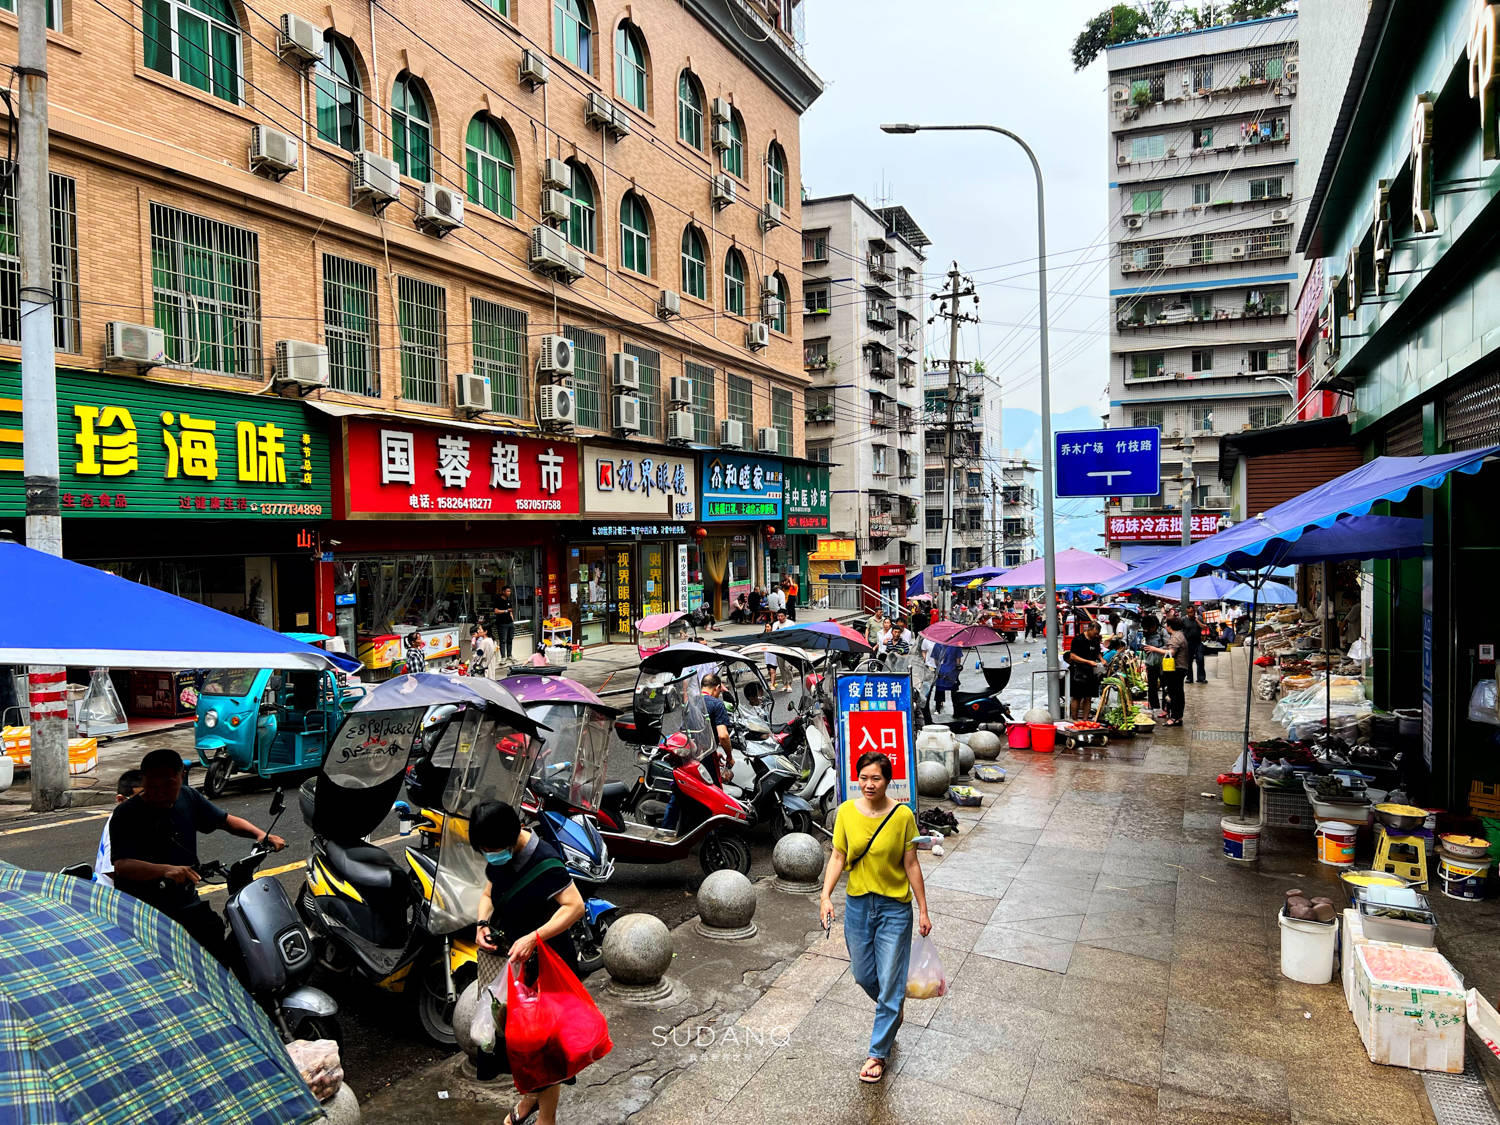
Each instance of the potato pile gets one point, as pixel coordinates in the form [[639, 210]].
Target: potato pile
[[1299, 905]]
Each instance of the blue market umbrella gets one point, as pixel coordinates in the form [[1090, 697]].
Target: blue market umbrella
[[1267, 593], [110, 1012], [63, 612], [1204, 588]]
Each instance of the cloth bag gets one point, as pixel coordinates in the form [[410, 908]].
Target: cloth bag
[[925, 979], [553, 1027]]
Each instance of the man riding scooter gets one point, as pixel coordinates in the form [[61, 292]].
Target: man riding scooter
[[718, 718], [154, 844]]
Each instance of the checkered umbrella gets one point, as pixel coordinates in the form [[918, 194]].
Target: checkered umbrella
[[109, 1012]]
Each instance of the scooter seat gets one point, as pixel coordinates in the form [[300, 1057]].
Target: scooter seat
[[615, 789], [364, 865]]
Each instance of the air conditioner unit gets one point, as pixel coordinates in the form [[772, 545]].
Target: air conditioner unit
[[1172, 151], [599, 112], [557, 174], [770, 216], [533, 70], [138, 344], [669, 304], [301, 364], [1175, 434], [300, 40], [681, 389], [1133, 222], [474, 393], [723, 192], [273, 151], [680, 425], [1122, 160], [722, 138], [442, 208], [771, 308], [555, 404], [721, 110], [551, 253], [627, 413], [556, 355], [627, 372], [1120, 97], [732, 434], [1281, 215], [1290, 69], [620, 122], [758, 335], [556, 205], [767, 440], [376, 179], [1237, 250], [1128, 267]]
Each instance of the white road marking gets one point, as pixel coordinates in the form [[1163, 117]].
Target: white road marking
[[100, 815]]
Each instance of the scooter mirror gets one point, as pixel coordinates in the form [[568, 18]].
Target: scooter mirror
[[278, 802]]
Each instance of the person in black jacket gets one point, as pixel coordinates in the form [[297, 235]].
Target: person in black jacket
[[1192, 629]]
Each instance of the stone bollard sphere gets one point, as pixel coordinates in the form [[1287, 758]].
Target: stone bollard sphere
[[637, 950], [1037, 715], [726, 906], [965, 758], [985, 744], [463, 1018], [932, 779], [798, 863], [343, 1107]]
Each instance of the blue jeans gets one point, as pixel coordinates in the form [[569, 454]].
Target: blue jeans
[[877, 931]]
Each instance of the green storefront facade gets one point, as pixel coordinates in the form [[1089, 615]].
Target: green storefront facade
[[1405, 215]]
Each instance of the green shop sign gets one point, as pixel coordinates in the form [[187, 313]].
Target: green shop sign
[[131, 447], [805, 498]]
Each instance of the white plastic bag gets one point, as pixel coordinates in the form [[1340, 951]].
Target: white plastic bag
[[482, 1030], [1482, 703], [318, 1062], [925, 979]]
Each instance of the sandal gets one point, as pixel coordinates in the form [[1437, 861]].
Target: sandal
[[869, 1076], [512, 1119]]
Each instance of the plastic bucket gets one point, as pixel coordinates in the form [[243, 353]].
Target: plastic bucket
[[1241, 840], [1307, 949], [1230, 790], [1335, 843], [1043, 737], [1018, 736], [1463, 878]]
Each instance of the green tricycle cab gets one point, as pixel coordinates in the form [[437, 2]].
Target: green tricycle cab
[[255, 720]]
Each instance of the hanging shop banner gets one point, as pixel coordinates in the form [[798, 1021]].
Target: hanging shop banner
[[132, 447], [1156, 529], [740, 488], [652, 484], [393, 468], [624, 619], [834, 550], [806, 498], [874, 713]]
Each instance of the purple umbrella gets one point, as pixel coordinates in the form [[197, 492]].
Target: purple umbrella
[[962, 636], [552, 689], [1074, 568]]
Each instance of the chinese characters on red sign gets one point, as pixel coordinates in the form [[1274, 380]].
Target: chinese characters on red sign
[[1150, 529], [400, 469], [874, 714]]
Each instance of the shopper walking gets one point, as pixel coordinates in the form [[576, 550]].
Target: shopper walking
[[875, 840], [950, 661], [1172, 677], [505, 621], [1192, 629], [1154, 646]]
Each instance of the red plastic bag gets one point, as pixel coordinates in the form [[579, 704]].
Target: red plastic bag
[[553, 1029]]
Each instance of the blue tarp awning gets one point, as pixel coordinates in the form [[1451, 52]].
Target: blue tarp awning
[[1268, 538], [1204, 588]]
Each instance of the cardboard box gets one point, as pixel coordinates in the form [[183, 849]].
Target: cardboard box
[[1415, 1025]]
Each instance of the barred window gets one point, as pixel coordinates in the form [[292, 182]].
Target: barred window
[[781, 418], [422, 318], [588, 375], [64, 263], [500, 351], [650, 392], [703, 401], [350, 326], [205, 291], [740, 404]]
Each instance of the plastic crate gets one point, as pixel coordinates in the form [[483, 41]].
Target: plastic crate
[[1484, 797], [1288, 808]]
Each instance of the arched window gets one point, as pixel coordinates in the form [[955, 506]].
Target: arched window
[[572, 34], [689, 110], [694, 264], [581, 223], [733, 157], [734, 282], [411, 129], [630, 66], [195, 41], [776, 175], [775, 310], [635, 234], [336, 83], [492, 169]]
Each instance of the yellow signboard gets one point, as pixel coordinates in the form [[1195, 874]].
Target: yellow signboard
[[833, 550]]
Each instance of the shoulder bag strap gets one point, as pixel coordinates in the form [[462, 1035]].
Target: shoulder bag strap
[[538, 869], [871, 842]]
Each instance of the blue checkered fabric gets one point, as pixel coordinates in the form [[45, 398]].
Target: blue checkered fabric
[[109, 1012]]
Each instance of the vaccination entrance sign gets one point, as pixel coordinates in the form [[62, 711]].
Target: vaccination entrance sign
[[874, 713], [1108, 462]]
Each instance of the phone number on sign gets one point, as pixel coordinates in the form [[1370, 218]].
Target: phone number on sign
[[466, 503]]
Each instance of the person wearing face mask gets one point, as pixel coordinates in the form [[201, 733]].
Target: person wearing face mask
[[528, 898]]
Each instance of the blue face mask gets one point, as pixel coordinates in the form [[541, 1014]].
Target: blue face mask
[[499, 859]]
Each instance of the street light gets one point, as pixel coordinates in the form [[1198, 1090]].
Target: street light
[[1048, 546]]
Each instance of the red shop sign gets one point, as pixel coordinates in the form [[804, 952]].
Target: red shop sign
[[394, 468], [1156, 529]]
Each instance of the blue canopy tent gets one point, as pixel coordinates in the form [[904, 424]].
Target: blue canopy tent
[[1266, 593], [71, 614], [1205, 588]]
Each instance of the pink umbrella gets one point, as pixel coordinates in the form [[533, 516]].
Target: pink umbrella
[[962, 636], [1074, 568], [654, 622]]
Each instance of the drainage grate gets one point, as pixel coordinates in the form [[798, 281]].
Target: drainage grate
[[1201, 735], [1460, 1099]]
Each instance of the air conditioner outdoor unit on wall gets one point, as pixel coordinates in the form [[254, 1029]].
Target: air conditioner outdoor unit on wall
[[556, 174], [680, 425], [732, 434], [723, 190], [474, 392], [758, 335], [377, 179], [722, 138], [767, 440], [137, 344], [1120, 96], [301, 364], [627, 373], [300, 41], [681, 389], [556, 206], [721, 110], [273, 151], [669, 304], [771, 216], [442, 208], [1133, 222], [556, 355], [555, 403], [533, 69], [627, 413]]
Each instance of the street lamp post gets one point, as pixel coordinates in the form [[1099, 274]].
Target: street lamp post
[[1048, 547]]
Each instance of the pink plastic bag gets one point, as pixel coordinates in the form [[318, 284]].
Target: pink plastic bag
[[925, 979]]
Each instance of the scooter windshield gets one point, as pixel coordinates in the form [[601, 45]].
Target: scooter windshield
[[491, 762], [371, 747], [574, 756]]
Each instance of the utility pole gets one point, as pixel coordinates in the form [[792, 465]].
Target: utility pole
[[948, 307], [1187, 512], [994, 522], [48, 689]]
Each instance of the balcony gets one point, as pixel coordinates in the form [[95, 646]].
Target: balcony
[[1176, 315], [908, 424], [1214, 502], [820, 416], [880, 314], [881, 419], [880, 266], [879, 365]]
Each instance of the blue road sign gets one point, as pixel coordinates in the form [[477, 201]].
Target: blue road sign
[[1108, 462]]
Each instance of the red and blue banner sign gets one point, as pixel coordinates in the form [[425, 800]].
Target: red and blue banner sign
[[874, 713]]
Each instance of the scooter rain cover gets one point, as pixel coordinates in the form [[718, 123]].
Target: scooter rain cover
[[362, 772]]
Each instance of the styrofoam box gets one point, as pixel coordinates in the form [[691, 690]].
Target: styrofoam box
[[1351, 937], [1416, 1026]]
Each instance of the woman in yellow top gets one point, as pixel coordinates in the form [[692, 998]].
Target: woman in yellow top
[[875, 838]]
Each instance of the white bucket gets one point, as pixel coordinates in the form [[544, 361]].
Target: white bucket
[[1307, 949], [1241, 839]]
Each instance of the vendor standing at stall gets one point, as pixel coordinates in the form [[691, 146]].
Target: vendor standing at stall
[[1085, 659]]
